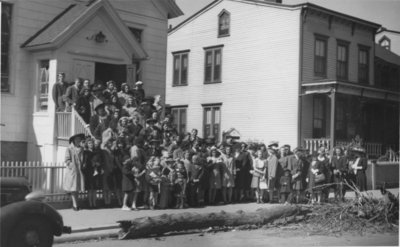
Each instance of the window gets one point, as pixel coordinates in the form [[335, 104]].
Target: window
[[320, 57], [319, 117], [212, 121], [363, 64], [385, 42], [6, 11], [212, 66], [179, 119], [43, 85], [181, 62], [137, 33], [342, 61], [224, 20]]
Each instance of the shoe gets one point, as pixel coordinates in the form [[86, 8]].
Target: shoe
[[75, 208], [135, 209], [126, 208]]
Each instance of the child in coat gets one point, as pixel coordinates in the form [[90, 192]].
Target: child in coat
[[180, 184], [285, 186], [153, 177]]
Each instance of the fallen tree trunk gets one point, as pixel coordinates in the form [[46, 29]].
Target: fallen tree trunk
[[147, 226]]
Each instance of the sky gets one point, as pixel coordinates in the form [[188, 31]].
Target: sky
[[383, 12]]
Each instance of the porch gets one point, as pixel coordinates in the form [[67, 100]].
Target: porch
[[333, 113]]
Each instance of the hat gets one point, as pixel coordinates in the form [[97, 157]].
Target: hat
[[96, 107], [139, 83], [97, 87], [273, 144], [154, 141], [210, 140], [151, 120], [123, 118], [358, 149], [286, 146], [110, 82], [298, 149], [287, 170], [81, 135], [124, 84]]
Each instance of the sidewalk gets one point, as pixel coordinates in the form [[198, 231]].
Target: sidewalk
[[100, 223]]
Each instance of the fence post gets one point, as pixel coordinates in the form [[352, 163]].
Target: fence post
[[373, 174], [73, 121]]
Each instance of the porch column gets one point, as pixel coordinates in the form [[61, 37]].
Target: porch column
[[332, 124]]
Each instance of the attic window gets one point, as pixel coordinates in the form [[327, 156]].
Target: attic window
[[224, 22], [385, 42]]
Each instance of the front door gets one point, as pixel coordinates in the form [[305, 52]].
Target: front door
[[106, 72], [84, 70]]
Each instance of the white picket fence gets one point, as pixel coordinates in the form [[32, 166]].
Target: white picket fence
[[42, 176]]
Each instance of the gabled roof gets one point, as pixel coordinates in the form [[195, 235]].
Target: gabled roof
[[278, 5], [71, 20], [172, 8]]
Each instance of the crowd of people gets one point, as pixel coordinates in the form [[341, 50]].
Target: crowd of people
[[136, 156]]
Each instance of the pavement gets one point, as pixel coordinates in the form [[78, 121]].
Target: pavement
[[92, 224]]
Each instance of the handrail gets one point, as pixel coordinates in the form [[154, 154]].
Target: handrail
[[81, 124]]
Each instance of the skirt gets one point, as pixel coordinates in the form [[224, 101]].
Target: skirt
[[255, 182]]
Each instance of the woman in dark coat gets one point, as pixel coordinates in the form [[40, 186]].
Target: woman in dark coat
[[83, 105], [88, 170], [340, 171], [242, 160], [359, 166]]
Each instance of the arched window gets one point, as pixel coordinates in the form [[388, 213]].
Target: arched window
[[385, 42], [224, 23]]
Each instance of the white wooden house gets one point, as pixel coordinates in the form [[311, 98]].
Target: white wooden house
[[94, 39], [301, 74]]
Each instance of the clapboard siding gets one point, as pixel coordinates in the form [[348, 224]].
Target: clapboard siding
[[342, 30], [260, 59]]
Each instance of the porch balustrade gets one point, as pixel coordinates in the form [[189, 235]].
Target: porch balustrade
[[70, 123], [372, 149]]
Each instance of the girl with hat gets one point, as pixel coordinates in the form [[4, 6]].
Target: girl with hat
[[74, 177], [228, 174], [259, 171], [318, 175]]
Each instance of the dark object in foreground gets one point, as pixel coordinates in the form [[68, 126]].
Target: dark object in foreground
[[24, 219], [147, 226]]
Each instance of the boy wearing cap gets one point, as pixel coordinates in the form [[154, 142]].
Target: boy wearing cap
[[272, 166]]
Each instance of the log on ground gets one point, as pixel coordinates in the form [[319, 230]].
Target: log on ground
[[147, 226]]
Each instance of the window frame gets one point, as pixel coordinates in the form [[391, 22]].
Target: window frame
[[178, 126], [7, 51], [213, 50], [40, 83], [317, 59], [137, 34], [363, 48], [180, 54], [346, 45], [212, 108], [220, 16], [322, 118]]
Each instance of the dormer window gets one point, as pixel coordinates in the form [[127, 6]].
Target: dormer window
[[385, 42], [224, 23]]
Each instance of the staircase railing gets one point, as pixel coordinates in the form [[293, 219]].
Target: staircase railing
[[70, 123]]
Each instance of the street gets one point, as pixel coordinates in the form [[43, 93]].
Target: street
[[260, 237]]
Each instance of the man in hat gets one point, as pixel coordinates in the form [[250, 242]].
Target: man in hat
[[138, 92], [296, 167], [59, 89], [151, 131], [72, 94], [359, 165], [272, 166]]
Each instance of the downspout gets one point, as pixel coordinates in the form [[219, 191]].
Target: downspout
[[299, 105]]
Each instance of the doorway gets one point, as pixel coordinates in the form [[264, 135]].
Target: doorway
[[105, 72]]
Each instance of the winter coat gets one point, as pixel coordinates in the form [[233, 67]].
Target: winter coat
[[73, 178]]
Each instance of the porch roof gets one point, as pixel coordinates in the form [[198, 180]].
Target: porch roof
[[55, 33], [350, 89]]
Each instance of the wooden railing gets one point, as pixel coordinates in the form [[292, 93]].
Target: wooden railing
[[45, 177], [372, 149], [70, 123], [314, 144]]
